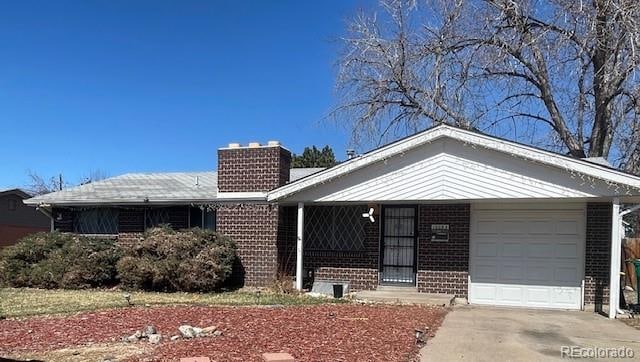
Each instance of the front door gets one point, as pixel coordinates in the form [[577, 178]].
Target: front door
[[398, 259]]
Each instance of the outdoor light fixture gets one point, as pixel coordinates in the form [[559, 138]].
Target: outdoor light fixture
[[369, 215]]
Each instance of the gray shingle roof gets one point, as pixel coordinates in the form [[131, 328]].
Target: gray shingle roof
[[141, 188]]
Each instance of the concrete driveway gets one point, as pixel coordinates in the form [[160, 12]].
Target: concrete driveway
[[472, 333]]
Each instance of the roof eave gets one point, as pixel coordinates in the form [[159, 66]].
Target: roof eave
[[497, 144]]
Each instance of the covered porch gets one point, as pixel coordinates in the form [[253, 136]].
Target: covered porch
[[456, 212]]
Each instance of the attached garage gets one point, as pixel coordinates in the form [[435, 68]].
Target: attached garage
[[527, 257]]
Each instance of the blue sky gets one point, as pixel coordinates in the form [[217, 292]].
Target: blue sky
[[125, 86]]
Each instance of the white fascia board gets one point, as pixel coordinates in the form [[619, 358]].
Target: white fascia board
[[546, 157], [473, 138], [241, 196]]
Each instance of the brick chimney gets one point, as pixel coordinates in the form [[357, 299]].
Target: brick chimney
[[253, 168]]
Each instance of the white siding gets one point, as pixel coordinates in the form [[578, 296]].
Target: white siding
[[447, 169]]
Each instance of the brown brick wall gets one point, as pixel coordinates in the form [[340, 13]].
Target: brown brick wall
[[597, 255], [254, 227], [443, 267], [253, 169], [9, 234], [359, 267]]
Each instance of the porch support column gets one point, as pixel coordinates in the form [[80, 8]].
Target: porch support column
[[614, 272], [299, 246]]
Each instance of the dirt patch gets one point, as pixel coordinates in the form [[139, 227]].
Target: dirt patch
[[112, 352], [310, 333]]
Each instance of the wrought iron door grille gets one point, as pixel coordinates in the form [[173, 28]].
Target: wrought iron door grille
[[399, 240], [340, 228]]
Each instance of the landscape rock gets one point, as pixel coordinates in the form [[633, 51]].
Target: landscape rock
[[217, 333], [175, 338], [187, 331], [209, 330], [149, 330], [154, 338], [134, 337], [197, 331]]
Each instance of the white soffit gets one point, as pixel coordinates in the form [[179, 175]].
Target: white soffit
[[585, 173]]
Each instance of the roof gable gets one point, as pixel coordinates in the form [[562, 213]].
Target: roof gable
[[19, 192], [561, 176]]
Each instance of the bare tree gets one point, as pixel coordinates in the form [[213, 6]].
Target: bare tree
[[39, 185], [558, 73]]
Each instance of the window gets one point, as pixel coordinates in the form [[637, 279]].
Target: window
[[156, 217], [96, 221], [204, 219], [340, 228], [440, 232], [13, 204]]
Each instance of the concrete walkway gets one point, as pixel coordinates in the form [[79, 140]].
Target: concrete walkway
[[472, 333]]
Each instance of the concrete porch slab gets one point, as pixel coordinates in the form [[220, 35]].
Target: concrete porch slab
[[409, 295]]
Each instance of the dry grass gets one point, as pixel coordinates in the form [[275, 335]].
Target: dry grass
[[25, 302], [111, 352]]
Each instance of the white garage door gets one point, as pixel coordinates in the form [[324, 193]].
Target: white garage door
[[532, 258]]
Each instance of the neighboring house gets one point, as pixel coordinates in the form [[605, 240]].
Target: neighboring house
[[17, 219], [444, 211]]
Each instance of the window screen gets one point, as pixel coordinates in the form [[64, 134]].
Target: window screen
[[340, 228], [96, 221], [204, 219], [156, 217]]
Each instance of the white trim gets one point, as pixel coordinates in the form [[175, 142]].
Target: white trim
[[241, 196], [473, 138], [299, 247], [614, 271]]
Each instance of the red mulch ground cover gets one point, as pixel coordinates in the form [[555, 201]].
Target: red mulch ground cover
[[309, 333]]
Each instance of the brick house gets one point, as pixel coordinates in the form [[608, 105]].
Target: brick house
[[442, 211], [18, 220]]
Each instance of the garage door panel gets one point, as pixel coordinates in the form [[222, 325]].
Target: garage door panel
[[568, 274], [568, 251], [565, 296], [486, 271], [541, 227], [513, 226], [512, 250], [511, 294], [538, 249], [510, 272], [487, 249], [485, 293], [527, 258], [539, 274], [538, 296], [568, 228]]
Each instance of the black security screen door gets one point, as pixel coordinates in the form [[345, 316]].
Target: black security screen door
[[398, 245]]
